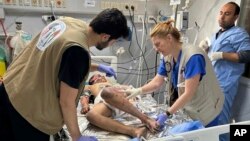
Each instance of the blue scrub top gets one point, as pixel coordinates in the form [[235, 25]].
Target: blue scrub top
[[228, 73], [195, 65]]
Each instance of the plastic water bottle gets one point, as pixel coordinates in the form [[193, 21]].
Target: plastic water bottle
[[20, 39]]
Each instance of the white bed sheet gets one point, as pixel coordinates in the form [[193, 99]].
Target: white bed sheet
[[147, 104]]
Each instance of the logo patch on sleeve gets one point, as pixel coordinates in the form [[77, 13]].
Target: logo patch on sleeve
[[50, 33]]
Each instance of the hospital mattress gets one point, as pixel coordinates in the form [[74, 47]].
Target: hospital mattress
[[146, 104]]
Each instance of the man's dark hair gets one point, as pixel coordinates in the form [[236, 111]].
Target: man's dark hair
[[112, 22], [237, 8]]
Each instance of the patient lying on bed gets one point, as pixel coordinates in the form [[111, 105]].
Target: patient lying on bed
[[109, 102]]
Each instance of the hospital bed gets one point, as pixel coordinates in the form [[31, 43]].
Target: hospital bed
[[206, 134], [151, 108], [146, 104]]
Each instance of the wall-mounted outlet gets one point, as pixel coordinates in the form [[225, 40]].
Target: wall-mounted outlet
[[133, 7], [140, 18], [152, 19], [149, 19], [128, 6], [48, 18]]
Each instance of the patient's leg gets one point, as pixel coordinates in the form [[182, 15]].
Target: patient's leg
[[114, 97], [100, 115]]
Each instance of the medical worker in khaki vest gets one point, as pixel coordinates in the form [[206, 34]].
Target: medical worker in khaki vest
[[42, 85], [192, 84]]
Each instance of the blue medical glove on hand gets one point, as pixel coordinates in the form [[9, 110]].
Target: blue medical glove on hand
[[107, 69], [87, 138], [161, 118]]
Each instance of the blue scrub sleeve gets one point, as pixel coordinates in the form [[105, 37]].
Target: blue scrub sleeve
[[241, 41], [162, 69], [195, 65]]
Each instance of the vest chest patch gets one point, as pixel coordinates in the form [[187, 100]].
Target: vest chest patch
[[50, 33]]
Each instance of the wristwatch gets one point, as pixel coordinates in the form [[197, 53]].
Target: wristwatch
[[86, 93], [168, 114]]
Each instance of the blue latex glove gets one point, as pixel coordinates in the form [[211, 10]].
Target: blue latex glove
[[107, 69], [161, 118], [87, 138]]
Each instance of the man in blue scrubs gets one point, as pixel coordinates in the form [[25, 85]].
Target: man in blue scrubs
[[229, 50]]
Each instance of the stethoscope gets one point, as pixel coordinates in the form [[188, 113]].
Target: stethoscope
[[169, 68]]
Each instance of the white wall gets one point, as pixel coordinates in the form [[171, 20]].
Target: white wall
[[205, 13], [31, 17]]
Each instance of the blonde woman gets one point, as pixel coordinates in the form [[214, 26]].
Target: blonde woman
[[192, 82]]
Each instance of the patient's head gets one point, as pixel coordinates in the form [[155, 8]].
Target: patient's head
[[97, 78]]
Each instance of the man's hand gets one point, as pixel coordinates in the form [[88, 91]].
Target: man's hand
[[107, 69], [204, 44], [87, 138], [216, 56], [133, 92]]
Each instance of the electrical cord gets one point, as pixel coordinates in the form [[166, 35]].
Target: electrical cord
[[138, 74], [143, 55], [145, 16], [130, 44], [155, 67], [52, 10]]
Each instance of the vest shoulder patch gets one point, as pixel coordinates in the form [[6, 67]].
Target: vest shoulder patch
[[50, 33]]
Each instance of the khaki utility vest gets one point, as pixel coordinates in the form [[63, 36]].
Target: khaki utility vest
[[32, 79], [208, 100]]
